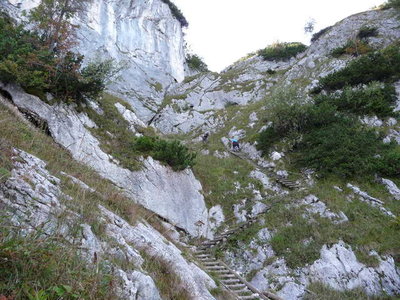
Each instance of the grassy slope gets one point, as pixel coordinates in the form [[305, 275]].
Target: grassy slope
[[368, 229], [46, 253]]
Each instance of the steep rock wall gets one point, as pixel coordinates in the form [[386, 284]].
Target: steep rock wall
[[143, 36], [175, 196]]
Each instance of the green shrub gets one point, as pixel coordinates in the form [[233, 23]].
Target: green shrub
[[173, 153], [27, 61], [378, 66], [282, 51], [320, 33], [366, 32], [291, 116], [196, 63], [346, 149], [176, 12], [392, 4], [328, 137], [389, 163], [35, 268], [375, 99], [354, 48]]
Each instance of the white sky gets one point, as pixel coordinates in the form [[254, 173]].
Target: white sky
[[222, 31]]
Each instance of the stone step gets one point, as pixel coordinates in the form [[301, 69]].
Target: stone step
[[200, 251], [202, 255], [229, 281], [211, 263], [254, 296], [244, 292], [209, 244], [224, 271], [214, 268], [206, 259], [227, 276], [236, 286]]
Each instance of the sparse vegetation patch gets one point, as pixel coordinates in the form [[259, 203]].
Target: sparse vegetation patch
[[35, 268], [174, 153], [282, 51]]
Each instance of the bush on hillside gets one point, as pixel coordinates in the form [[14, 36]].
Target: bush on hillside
[[328, 137], [176, 12], [196, 63], [347, 150], [173, 153], [291, 116], [366, 32], [375, 99], [320, 33], [392, 4], [354, 48], [25, 60], [282, 51], [383, 65]]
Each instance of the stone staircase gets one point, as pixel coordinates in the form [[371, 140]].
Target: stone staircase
[[231, 281], [287, 183], [236, 285]]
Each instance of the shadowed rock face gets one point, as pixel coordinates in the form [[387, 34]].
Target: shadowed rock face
[[142, 35]]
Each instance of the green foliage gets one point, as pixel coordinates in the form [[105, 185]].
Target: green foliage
[[318, 291], [282, 51], [196, 63], [328, 137], [366, 32], [300, 234], [392, 4], [173, 153], [383, 65], [35, 268], [342, 149], [291, 116], [26, 60], [176, 12], [320, 33], [374, 99], [354, 48]]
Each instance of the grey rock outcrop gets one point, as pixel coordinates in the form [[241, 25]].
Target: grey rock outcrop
[[314, 206], [392, 188], [175, 196], [363, 196], [316, 62], [337, 267], [33, 201]]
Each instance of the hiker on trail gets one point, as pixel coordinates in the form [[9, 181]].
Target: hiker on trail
[[235, 144], [205, 137]]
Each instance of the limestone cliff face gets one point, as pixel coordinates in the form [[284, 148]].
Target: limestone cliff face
[[176, 196], [143, 36], [199, 101]]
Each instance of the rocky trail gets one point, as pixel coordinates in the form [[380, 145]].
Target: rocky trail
[[279, 179], [238, 287]]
